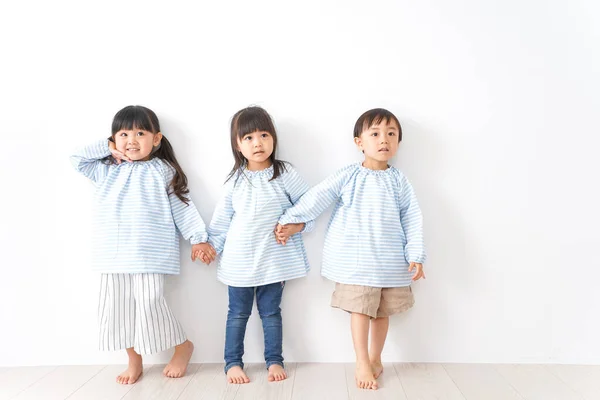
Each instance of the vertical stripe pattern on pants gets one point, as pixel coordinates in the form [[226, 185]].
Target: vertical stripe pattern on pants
[[133, 312]]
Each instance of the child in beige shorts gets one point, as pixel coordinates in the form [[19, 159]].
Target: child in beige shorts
[[374, 245]]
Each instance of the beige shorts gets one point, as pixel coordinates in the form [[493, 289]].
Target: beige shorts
[[372, 301]]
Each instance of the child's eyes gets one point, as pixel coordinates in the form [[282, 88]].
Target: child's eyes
[[248, 138], [392, 133], [140, 133], [265, 135], [123, 134]]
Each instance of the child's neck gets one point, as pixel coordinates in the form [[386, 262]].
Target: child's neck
[[258, 166], [375, 164]]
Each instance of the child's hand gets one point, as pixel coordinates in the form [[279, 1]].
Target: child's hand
[[204, 252], [117, 155], [419, 274], [283, 232]]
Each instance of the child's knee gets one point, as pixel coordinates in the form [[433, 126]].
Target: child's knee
[[271, 318], [237, 316]]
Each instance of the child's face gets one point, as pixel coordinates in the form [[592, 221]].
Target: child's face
[[379, 142], [257, 147], [137, 144]]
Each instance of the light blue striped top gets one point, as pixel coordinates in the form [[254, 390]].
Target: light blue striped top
[[375, 230], [135, 218], [242, 229]]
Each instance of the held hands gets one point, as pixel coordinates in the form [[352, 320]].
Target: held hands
[[204, 252], [419, 273], [283, 232], [117, 155]]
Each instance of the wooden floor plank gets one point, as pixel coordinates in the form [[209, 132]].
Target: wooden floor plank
[[60, 383], [427, 382], [209, 383], [481, 381], [316, 381], [17, 379], [104, 385], [535, 382], [584, 379]]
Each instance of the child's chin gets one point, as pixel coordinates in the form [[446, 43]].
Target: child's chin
[[383, 157], [137, 157]]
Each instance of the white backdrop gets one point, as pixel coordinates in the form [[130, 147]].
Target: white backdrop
[[498, 101]]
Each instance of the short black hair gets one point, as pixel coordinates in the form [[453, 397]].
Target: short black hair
[[375, 117]]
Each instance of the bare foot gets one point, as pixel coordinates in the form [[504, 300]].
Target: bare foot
[[177, 366], [364, 376], [237, 375], [276, 373], [133, 371], [377, 368]]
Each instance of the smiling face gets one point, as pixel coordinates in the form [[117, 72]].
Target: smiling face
[[379, 143], [137, 144]]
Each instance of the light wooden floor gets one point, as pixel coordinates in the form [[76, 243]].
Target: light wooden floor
[[311, 382]]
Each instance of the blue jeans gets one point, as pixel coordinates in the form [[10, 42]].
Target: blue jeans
[[268, 300]]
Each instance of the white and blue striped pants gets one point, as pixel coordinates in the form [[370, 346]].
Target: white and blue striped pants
[[133, 313]]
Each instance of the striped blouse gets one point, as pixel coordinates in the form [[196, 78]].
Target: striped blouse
[[375, 230], [242, 229], [136, 220]]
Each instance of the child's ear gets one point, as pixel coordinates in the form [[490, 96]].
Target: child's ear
[[358, 142], [157, 139]]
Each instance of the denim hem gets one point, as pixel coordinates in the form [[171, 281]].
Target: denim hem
[[269, 363], [233, 364]]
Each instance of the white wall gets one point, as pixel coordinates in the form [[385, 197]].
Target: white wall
[[498, 101]]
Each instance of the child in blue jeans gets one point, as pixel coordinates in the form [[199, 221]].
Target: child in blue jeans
[[259, 189]]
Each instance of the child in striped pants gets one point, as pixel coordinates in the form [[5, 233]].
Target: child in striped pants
[[141, 202]]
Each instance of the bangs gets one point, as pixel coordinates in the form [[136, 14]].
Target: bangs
[[375, 117], [251, 120], [135, 117]]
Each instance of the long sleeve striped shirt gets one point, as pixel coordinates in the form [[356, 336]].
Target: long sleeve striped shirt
[[375, 230], [243, 224], [136, 220]]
